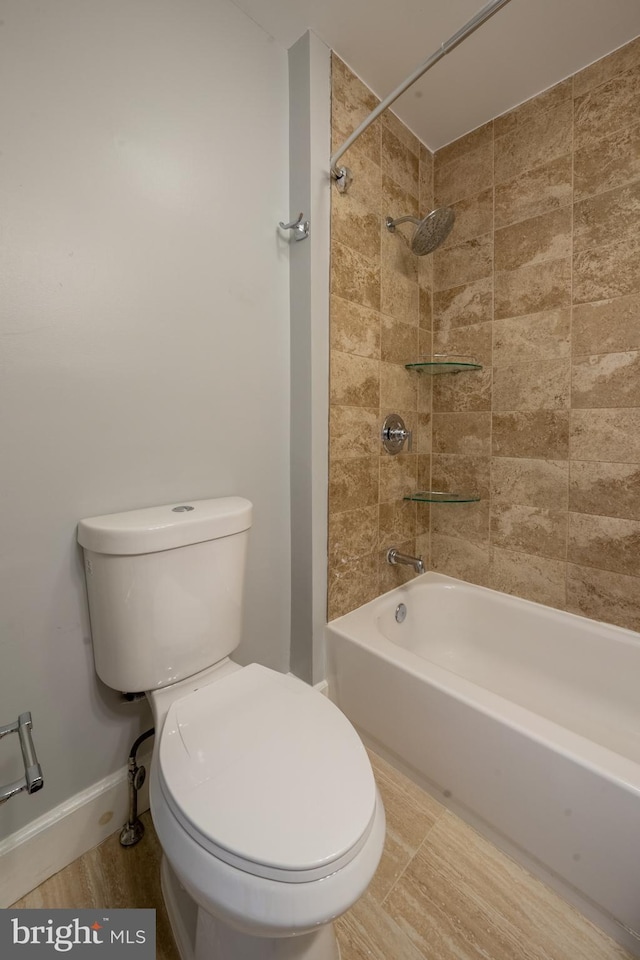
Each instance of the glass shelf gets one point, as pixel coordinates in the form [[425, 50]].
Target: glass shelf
[[438, 496], [438, 363]]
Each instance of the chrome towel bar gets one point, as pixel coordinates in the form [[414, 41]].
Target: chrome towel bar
[[32, 780]]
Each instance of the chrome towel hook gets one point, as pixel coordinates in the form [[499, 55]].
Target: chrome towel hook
[[299, 226]]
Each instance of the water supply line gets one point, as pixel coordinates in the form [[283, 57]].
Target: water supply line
[[133, 830], [342, 175]]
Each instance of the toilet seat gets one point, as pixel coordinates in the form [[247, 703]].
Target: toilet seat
[[267, 775]]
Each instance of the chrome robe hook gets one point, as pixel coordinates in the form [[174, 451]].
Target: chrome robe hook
[[299, 226]]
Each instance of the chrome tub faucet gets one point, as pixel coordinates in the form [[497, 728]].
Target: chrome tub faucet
[[394, 556]]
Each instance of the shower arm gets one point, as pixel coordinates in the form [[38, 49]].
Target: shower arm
[[342, 175]]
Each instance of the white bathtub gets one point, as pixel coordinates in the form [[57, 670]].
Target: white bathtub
[[523, 719]]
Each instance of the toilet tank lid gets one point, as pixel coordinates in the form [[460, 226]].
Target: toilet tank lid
[[163, 528]]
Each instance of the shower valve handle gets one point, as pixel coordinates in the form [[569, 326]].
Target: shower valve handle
[[395, 434]]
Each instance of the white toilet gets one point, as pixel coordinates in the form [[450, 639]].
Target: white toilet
[[261, 791]]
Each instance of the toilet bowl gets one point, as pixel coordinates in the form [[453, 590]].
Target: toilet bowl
[[261, 792], [264, 803]]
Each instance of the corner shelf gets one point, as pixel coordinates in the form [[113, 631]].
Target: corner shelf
[[444, 363], [438, 496]]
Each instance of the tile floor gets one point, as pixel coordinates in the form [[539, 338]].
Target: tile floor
[[441, 892]]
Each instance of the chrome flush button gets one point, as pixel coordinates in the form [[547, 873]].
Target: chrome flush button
[[183, 509]]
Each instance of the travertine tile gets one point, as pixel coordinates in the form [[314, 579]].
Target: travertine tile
[[354, 277], [611, 326], [410, 813], [543, 137], [470, 390], [425, 308], [398, 387], [603, 70], [534, 241], [467, 433], [524, 113], [608, 271], [399, 343], [473, 218], [603, 165], [530, 530], [396, 254], [401, 132], [534, 192], [353, 431], [537, 483], [399, 296], [426, 179], [607, 489], [473, 341], [351, 103], [467, 521], [608, 543], [465, 176], [354, 328], [533, 288], [608, 380], [423, 480], [603, 595], [470, 303], [532, 386], [534, 435], [532, 577], [607, 219], [396, 203], [607, 107], [463, 263], [480, 137], [398, 476], [351, 583], [529, 339], [611, 435], [356, 228], [353, 484], [422, 435], [461, 559], [399, 162], [459, 473], [352, 534], [355, 381], [368, 933], [112, 877], [460, 898], [425, 388], [396, 523]]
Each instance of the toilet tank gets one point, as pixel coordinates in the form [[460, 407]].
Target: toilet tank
[[165, 588]]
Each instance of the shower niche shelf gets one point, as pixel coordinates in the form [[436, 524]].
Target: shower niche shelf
[[444, 363], [439, 496]]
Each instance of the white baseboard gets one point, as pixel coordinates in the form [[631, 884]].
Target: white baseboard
[[32, 855]]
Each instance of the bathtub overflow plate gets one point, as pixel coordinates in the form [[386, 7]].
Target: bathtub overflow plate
[[401, 613]]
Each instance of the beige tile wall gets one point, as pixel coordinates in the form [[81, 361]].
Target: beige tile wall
[[540, 279], [380, 319]]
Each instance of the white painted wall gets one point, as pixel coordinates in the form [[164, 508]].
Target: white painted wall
[[144, 352], [310, 192]]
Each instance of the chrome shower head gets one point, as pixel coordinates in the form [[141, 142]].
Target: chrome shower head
[[432, 229]]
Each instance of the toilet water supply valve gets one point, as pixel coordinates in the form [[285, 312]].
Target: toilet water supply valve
[[133, 829], [32, 780]]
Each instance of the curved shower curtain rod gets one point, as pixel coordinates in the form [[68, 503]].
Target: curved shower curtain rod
[[342, 175]]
